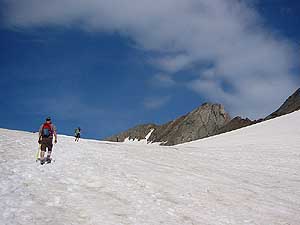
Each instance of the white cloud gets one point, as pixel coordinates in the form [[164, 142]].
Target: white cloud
[[225, 34], [174, 63], [163, 80], [156, 102]]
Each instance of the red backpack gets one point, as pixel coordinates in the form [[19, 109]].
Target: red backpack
[[47, 130]]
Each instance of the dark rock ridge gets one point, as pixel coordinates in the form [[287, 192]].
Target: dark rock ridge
[[207, 120], [202, 122], [290, 105], [237, 123], [138, 132]]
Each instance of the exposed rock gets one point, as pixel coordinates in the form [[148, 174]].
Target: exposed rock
[[290, 105], [207, 120], [138, 132], [202, 122], [237, 123]]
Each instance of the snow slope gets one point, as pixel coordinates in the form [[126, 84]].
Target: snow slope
[[248, 176]]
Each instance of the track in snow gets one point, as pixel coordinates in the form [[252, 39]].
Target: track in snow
[[248, 176]]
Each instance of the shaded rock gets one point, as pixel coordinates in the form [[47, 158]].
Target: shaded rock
[[202, 122], [207, 120], [237, 123], [138, 132], [290, 105]]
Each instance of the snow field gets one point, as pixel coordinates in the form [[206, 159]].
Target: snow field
[[246, 177]]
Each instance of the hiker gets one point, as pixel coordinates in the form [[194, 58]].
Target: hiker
[[46, 133], [77, 134]]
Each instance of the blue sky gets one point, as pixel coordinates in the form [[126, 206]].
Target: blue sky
[[106, 68]]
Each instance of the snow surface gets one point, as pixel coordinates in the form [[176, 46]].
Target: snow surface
[[142, 141], [248, 176]]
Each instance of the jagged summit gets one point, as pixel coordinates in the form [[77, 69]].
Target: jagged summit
[[202, 122], [207, 120]]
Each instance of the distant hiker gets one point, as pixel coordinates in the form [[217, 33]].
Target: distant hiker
[[46, 133], [77, 134]]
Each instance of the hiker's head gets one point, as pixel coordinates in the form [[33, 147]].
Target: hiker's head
[[48, 120]]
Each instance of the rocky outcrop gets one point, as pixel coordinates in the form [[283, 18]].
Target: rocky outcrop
[[207, 120], [237, 123], [139, 132], [290, 105], [202, 122]]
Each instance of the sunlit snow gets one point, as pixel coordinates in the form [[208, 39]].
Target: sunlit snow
[[249, 176]]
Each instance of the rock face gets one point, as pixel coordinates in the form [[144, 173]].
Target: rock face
[[207, 120], [202, 122], [290, 105], [138, 132], [237, 123]]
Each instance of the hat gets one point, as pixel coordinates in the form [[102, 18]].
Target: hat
[[48, 118]]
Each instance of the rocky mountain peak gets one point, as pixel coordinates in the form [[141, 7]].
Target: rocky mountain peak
[[202, 122], [207, 120]]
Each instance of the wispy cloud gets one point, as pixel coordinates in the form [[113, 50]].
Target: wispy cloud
[[225, 37], [174, 62], [156, 102], [163, 80]]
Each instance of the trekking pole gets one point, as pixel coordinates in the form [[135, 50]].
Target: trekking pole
[[38, 153]]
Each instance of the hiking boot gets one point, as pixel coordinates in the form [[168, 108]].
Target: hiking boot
[[43, 161], [48, 159]]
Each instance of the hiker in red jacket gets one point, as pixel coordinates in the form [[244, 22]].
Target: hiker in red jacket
[[46, 133]]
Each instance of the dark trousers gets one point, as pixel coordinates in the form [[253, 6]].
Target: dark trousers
[[47, 142]]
